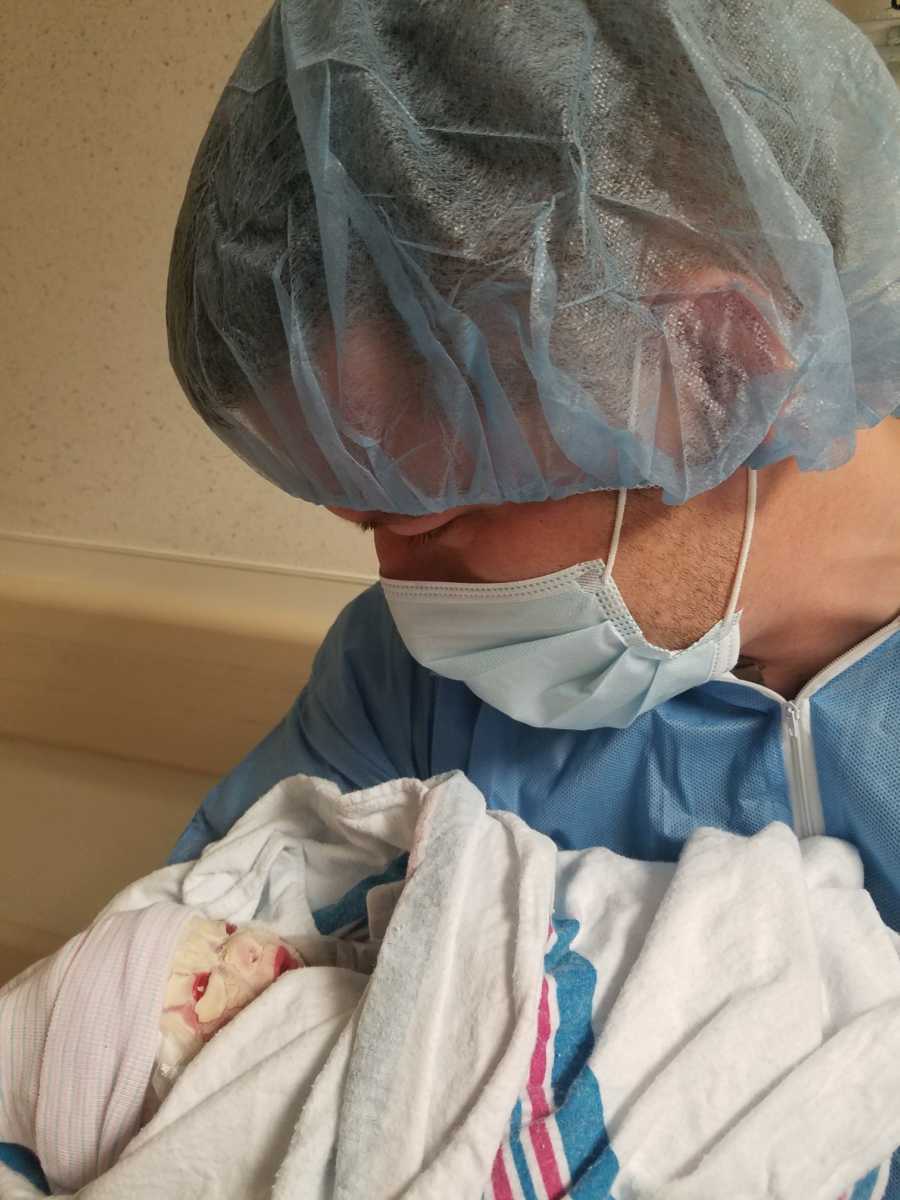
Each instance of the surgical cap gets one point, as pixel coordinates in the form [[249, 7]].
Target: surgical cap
[[451, 252]]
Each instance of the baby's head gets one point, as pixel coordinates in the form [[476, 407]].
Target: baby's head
[[93, 1037], [218, 968]]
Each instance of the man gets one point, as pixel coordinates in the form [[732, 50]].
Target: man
[[598, 303], [591, 312]]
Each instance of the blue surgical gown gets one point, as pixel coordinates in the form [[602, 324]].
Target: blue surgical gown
[[729, 754]]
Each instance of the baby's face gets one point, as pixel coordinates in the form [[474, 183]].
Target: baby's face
[[219, 968]]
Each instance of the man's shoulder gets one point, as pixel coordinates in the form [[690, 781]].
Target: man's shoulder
[[366, 619], [370, 707], [363, 641]]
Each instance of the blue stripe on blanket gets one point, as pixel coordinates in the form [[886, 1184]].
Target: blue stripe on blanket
[[18, 1159], [592, 1163], [557, 1142], [350, 910], [893, 1187], [865, 1189], [517, 1151]]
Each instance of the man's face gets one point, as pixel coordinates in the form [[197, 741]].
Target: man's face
[[675, 566], [488, 544]]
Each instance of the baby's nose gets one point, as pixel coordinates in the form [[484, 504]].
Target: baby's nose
[[242, 952]]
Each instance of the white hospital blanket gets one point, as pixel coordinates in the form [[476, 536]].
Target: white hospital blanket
[[729, 1027]]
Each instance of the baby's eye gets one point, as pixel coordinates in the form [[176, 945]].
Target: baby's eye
[[201, 983]]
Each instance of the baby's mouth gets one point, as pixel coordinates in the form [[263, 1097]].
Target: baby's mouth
[[283, 962]]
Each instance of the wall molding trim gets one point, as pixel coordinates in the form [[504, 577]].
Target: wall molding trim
[[162, 658]]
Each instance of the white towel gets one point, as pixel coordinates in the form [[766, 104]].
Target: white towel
[[729, 1027]]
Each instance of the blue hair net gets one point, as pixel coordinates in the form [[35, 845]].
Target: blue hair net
[[451, 252]]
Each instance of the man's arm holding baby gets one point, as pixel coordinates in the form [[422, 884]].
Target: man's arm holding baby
[[363, 718]]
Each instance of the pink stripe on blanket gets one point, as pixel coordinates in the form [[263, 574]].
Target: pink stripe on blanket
[[538, 1083], [500, 1185]]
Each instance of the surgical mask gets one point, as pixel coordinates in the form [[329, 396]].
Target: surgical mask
[[561, 651]]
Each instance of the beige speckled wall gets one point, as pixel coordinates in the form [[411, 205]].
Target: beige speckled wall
[[104, 105]]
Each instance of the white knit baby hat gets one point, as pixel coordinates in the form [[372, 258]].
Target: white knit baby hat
[[79, 1033]]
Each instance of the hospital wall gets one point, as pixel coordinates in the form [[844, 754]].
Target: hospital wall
[[108, 480], [159, 603]]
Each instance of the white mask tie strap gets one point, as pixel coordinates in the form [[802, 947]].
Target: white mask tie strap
[[616, 535], [749, 525]]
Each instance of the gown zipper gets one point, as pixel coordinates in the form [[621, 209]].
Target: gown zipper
[[797, 741], [806, 803]]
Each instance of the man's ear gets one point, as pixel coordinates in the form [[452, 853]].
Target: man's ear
[[734, 313], [717, 341]]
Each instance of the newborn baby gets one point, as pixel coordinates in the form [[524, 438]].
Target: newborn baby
[[217, 970], [93, 1038]]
